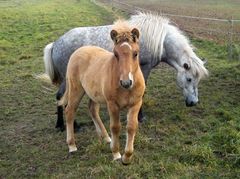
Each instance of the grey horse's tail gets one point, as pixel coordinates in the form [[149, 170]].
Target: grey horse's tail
[[48, 62], [50, 75]]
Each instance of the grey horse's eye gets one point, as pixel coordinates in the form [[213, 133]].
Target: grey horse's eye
[[189, 80], [186, 66]]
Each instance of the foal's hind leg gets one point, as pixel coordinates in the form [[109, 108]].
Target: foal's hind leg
[[75, 94], [100, 128], [60, 121]]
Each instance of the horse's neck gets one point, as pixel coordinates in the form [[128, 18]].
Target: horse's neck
[[175, 46]]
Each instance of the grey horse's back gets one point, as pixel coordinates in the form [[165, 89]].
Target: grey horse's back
[[64, 47]]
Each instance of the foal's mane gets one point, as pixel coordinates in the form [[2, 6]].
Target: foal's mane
[[154, 28], [124, 31]]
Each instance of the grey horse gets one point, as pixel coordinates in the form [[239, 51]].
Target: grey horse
[[160, 42]]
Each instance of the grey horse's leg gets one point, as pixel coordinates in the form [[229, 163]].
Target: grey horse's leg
[[146, 69], [60, 120]]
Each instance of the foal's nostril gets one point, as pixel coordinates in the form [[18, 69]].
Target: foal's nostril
[[122, 83], [126, 84], [130, 82]]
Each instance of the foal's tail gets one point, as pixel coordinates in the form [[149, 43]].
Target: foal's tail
[[50, 74], [63, 101]]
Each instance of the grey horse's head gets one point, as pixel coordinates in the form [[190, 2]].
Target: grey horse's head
[[190, 71], [178, 52]]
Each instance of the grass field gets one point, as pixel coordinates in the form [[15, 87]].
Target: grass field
[[174, 142]]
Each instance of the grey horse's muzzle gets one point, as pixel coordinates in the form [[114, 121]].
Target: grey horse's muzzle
[[191, 101]]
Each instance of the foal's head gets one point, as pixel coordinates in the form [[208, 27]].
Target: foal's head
[[126, 52]]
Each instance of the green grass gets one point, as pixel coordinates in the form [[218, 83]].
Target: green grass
[[174, 142]]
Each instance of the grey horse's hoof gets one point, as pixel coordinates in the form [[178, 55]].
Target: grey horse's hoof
[[77, 127], [142, 119], [70, 155]]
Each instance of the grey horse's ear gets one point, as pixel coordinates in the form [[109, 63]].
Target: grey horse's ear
[[135, 34], [114, 34], [205, 61]]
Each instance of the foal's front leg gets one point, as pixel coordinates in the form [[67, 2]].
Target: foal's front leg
[[132, 126], [115, 127]]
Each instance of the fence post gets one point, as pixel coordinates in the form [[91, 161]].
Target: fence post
[[230, 45], [111, 4]]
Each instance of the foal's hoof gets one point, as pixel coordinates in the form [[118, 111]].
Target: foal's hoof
[[72, 149], [116, 156], [107, 140], [125, 160]]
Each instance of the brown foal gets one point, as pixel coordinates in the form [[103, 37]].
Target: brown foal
[[111, 78]]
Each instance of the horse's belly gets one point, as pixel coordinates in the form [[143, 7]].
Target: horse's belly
[[93, 90], [96, 97]]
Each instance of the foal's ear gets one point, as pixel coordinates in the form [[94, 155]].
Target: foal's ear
[[135, 34], [114, 34]]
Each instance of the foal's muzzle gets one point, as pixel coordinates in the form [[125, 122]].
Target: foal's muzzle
[[126, 83]]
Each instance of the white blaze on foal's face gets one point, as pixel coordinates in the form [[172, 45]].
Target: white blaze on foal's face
[[124, 54], [127, 44], [130, 76]]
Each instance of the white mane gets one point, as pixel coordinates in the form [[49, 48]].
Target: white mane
[[154, 29], [198, 67]]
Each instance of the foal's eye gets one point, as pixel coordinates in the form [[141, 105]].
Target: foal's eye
[[189, 80], [135, 54]]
